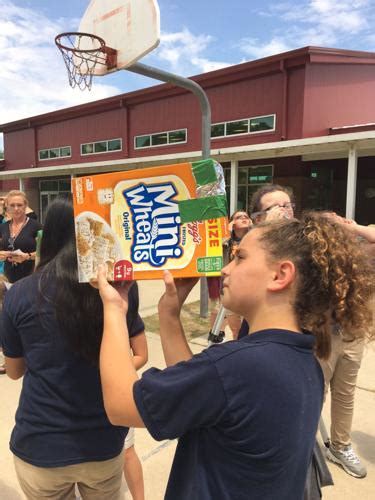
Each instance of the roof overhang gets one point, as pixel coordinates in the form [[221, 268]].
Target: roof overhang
[[311, 148]]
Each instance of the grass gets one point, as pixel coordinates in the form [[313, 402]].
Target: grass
[[193, 324]]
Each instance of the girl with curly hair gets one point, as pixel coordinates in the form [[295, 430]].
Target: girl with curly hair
[[246, 411]]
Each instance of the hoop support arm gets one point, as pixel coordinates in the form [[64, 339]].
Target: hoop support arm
[[180, 81]]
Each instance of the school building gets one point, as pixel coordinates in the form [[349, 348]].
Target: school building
[[304, 118]]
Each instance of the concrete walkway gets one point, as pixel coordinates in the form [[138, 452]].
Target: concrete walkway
[[157, 456]]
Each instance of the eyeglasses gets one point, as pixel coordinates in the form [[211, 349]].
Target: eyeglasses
[[287, 206]]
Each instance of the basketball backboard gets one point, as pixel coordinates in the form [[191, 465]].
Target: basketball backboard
[[132, 27]]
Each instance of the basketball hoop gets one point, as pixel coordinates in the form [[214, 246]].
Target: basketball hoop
[[81, 53]]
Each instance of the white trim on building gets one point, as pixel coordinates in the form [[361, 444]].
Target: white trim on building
[[350, 145]]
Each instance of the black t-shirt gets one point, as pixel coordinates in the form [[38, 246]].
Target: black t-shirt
[[60, 418], [246, 413], [25, 241]]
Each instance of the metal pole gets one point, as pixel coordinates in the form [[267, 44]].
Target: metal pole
[[180, 81], [351, 182], [216, 335]]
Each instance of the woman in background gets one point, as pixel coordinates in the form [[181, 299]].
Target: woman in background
[[239, 225], [18, 238]]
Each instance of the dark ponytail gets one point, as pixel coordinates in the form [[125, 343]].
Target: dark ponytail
[[78, 307]]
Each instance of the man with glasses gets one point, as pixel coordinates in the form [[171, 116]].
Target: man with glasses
[[272, 202]]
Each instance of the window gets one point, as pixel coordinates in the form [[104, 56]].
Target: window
[[249, 180], [65, 151], [240, 127], [262, 123], [49, 189], [87, 149], [48, 154], [176, 136], [218, 130], [245, 126], [114, 145], [143, 141], [54, 153], [99, 147], [44, 154], [161, 139]]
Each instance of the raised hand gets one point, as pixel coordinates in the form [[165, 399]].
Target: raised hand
[[115, 294], [277, 213], [176, 292]]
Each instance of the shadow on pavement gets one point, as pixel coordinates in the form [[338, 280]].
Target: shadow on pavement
[[364, 444]]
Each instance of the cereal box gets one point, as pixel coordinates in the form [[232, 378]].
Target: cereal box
[[140, 222]]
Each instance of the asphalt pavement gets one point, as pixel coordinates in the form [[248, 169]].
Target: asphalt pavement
[[156, 456]]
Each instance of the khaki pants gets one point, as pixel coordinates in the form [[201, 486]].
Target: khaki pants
[[340, 374], [95, 480]]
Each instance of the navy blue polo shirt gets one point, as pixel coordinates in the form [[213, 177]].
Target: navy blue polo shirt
[[246, 413], [60, 418]]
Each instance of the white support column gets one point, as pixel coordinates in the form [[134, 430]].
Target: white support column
[[233, 186], [21, 184], [351, 185]]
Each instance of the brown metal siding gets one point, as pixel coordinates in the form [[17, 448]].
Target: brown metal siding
[[337, 95], [295, 111], [81, 130], [232, 101], [19, 147], [161, 115]]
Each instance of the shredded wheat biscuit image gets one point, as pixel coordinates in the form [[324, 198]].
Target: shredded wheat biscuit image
[[101, 249], [95, 245], [84, 229], [86, 264], [110, 238], [83, 245], [96, 226]]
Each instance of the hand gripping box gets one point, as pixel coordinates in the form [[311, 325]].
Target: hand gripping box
[[140, 222]]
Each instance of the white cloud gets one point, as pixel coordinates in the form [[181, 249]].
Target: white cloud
[[33, 77], [329, 23], [183, 51], [252, 48]]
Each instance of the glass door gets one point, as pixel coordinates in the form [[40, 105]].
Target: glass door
[[48, 190]]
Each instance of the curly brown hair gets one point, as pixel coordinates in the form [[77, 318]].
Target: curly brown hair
[[335, 279]]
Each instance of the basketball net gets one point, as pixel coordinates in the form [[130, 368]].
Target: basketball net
[[80, 61]]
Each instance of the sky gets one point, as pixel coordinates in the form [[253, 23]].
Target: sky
[[196, 36]]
